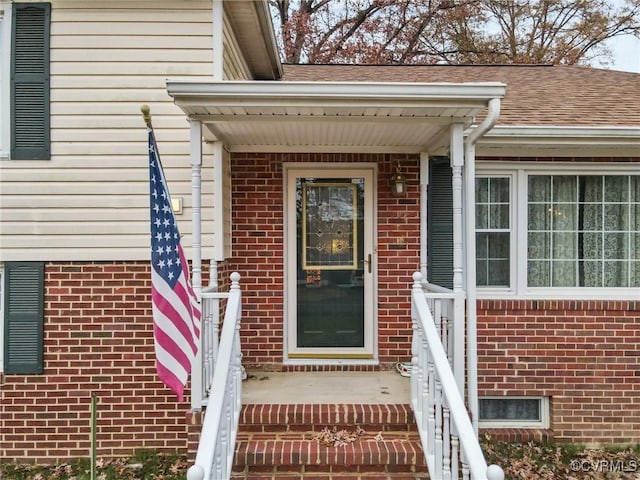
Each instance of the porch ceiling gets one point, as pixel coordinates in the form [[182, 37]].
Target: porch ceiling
[[332, 116]]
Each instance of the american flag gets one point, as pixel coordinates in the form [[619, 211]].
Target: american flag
[[176, 311]]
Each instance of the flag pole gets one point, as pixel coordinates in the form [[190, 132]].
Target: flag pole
[[146, 114], [175, 301]]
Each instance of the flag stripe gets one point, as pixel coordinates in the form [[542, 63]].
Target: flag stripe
[[175, 354], [167, 372], [179, 344], [165, 300], [176, 310]]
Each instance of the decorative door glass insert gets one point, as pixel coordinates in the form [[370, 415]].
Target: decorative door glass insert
[[329, 235]]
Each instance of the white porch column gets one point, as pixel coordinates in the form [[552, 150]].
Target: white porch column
[[456, 157], [196, 242], [218, 201], [424, 184], [218, 213]]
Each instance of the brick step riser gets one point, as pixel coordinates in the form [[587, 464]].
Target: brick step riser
[[301, 416], [318, 472], [400, 452], [330, 476]]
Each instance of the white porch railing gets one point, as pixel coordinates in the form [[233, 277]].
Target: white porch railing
[[450, 444], [214, 459], [202, 379]]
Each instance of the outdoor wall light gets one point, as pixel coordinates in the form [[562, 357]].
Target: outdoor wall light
[[398, 183]]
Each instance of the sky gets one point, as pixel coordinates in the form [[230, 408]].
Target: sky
[[625, 49], [626, 52]]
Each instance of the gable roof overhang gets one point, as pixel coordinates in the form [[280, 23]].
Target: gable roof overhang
[[253, 29], [376, 117]]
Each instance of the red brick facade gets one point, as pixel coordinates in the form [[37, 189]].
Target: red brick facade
[[258, 240], [585, 355], [98, 338]]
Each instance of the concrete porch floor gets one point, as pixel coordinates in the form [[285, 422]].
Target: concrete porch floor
[[325, 387]]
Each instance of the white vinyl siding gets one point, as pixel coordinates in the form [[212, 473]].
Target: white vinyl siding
[[90, 201], [235, 67]]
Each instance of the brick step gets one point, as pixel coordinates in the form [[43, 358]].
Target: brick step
[[305, 458], [286, 442], [311, 417]]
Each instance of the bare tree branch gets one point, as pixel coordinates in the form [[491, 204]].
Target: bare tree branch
[[451, 31]]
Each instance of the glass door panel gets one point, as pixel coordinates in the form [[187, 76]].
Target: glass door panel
[[330, 261]]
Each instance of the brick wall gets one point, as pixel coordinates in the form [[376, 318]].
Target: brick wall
[[98, 336], [585, 355], [258, 242]]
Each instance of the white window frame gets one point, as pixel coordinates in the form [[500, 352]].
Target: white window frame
[[5, 75], [520, 172], [545, 414], [512, 230]]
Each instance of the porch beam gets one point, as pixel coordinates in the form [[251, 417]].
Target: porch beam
[[346, 118], [333, 148], [200, 93]]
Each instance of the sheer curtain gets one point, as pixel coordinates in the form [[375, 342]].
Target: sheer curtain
[[505, 409], [583, 231], [493, 231]]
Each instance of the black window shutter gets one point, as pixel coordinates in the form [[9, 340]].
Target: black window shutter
[[440, 223], [30, 125], [24, 317]]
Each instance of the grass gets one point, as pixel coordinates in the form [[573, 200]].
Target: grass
[[144, 465], [528, 461]]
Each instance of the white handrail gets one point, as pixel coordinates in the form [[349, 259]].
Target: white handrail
[[214, 459], [441, 414]]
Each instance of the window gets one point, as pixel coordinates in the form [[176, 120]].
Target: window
[[567, 234], [531, 412], [23, 303], [583, 231], [493, 231], [29, 86]]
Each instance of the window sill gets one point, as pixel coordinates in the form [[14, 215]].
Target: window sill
[[562, 294], [520, 435]]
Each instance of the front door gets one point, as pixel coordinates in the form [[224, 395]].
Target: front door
[[330, 257]]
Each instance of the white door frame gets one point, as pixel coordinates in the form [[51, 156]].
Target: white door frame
[[293, 354]]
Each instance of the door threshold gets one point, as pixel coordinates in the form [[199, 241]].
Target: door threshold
[[331, 360], [337, 356]]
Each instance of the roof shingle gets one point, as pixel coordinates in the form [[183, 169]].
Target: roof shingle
[[541, 95]]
